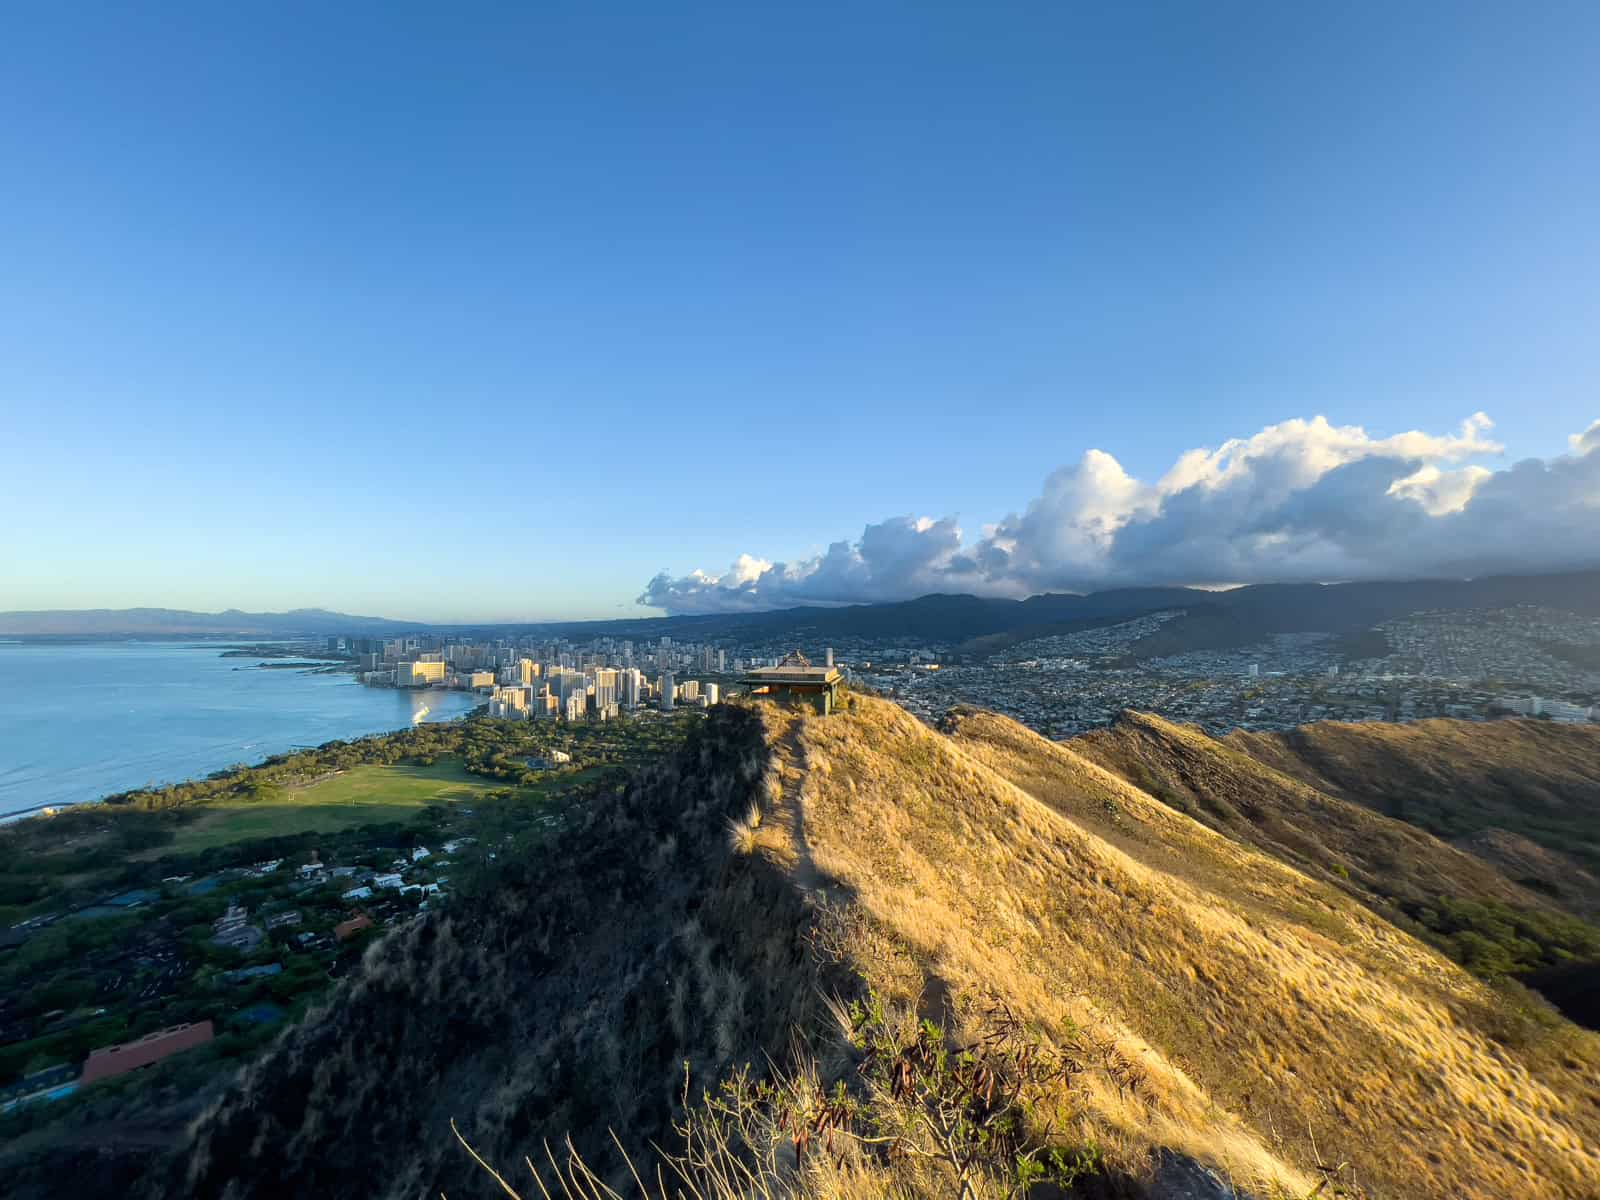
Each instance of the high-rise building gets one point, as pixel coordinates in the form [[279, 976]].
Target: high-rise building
[[546, 705], [509, 701], [828, 656], [711, 695], [632, 687], [668, 691], [605, 689], [576, 704]]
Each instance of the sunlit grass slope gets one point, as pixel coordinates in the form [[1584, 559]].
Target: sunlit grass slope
[[1245, 1013]]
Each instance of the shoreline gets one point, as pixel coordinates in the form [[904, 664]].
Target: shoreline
[[260, 749], [36, 810]]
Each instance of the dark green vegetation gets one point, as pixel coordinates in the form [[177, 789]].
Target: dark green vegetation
[[117, 901], [569, 990], [1494, 924], [135, 838]]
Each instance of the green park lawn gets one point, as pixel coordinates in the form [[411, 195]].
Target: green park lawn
[[363, 795]]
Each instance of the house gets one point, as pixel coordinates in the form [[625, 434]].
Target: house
[[418, 853], [243, 938], [111, 1061], [387, 881], [360, 893], [348, 929], [231, 929]]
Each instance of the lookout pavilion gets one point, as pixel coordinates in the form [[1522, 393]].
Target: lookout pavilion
[[796, 681]]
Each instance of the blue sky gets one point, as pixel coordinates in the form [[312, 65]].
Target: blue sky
[[483, 311]]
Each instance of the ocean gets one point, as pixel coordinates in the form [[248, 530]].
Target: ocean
[[82, 720]]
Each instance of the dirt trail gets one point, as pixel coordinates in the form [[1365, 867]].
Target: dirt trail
[[790, 807]]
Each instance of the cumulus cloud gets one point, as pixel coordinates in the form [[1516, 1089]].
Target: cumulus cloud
[[1301, 500], [1587, 441]]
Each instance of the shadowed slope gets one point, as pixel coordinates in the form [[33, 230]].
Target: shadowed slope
[[1320, 834], [1537, 868], [1455, 778], [565, 997]]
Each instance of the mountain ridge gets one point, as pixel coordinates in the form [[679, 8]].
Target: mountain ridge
[[174, 622], [1208, 1003], [946, 617]]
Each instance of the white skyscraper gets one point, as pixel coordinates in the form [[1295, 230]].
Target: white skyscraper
[[605, 689], [828, 656]]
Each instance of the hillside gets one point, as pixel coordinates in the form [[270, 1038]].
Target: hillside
[[1216, 1022], [1457, 779], [1483, 917]]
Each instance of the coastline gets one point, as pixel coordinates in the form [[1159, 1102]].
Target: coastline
[[95, 719], [110, 797]]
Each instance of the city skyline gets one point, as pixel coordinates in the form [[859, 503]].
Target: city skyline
[[530, 316]]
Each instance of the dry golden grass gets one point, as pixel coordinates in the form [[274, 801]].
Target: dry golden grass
[[1389, 861], [1458, 778], [1242, 1013]]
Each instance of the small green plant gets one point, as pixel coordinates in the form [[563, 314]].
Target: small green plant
[[980, 1110]]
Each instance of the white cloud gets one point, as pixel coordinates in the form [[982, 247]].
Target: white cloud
[[1301, 500], [1587, 441]]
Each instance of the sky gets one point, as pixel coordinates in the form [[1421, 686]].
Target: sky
[[537, 311]]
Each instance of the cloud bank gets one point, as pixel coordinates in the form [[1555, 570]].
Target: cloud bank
[[1299, 501]]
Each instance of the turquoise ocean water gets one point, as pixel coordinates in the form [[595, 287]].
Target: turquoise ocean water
[[79, 721]]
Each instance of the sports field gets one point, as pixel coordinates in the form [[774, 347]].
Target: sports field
[[363, 795]]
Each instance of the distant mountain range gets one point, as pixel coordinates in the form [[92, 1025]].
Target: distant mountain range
[[173, 622], [1216, 617]]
